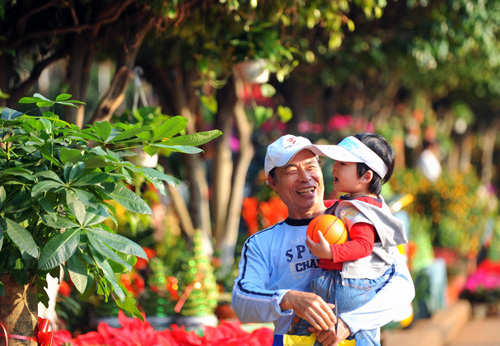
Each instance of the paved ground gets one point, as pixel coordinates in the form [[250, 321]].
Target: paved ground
[[484, 332]]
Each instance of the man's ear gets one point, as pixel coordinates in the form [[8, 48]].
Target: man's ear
[[271, 182], [367, 177]]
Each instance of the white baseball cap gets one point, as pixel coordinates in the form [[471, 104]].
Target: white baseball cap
[[351, 149], [281, 152]]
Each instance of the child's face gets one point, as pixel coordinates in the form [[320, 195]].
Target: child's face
[[345, 178]]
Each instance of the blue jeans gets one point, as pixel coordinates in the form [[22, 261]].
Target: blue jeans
[[347, 295]]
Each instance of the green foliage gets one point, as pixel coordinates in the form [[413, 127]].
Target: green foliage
[[55, 183], [456, 212]]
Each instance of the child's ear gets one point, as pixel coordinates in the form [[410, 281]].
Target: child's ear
[[367, 177]]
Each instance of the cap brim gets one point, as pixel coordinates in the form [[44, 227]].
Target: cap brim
[[337, 153]]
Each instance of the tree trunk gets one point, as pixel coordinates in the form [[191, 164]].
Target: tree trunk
[[223, 163], [116, 93], [230, 237], [18, 310]]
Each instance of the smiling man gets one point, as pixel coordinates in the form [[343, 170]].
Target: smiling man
[[276, 268]]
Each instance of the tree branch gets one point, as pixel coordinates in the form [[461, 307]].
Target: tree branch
[[20, 90]]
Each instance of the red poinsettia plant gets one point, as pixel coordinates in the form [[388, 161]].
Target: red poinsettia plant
[[134, 332]]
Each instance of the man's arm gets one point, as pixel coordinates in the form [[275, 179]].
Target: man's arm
[[310, 307], [252, 301]]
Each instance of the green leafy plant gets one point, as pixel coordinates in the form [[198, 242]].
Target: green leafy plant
[[56, 181]]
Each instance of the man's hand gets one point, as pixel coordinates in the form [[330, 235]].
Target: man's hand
[[310, 307], [328, 337], [321, 249]]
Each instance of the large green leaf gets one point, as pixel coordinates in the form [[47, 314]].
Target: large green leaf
[[103, 129], [49, 175], [129, 200], [90, 179], [3, 196], [186, 149], [19, 172], [70, 155], [129, 133], [21, 237], [86, 197], [77, 273], [105, 251], [156, 177], [95, 216], [58, 222], [194, 139], [1, 236], [44, 186], [21, 201], [170, 127], [59, 249], [108, 272], [118, 242], [75, 206]]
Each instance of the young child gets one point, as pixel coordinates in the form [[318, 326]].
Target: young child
[[355, 271]]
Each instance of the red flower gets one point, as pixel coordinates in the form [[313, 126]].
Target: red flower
[[141, 262], [64, 289]]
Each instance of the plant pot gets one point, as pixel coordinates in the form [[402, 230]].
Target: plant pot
[[19, 311], [252, 71]]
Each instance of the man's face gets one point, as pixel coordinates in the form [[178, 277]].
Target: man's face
[[300, 186]]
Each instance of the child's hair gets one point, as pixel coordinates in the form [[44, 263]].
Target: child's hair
[[381, 147]]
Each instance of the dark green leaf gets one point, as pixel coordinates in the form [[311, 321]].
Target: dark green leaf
[[70, 155], [75, 206], [87, 198], [106, 252], [77, 273], [21, 237], [96, 215], [21, 201], [59, 249], [49, 175], [103, 129], [2, 289], [58, 222], [76, 172], [44, 186], [129, 200], [3, 196], [132, 132], [108, 272], [90, 179], [118, 242]]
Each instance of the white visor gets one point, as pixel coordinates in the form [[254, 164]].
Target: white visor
[[351, 149]]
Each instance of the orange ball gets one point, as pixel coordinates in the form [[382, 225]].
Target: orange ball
[[332, 227]]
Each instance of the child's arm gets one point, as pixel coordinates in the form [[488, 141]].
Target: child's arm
[[360, 245]]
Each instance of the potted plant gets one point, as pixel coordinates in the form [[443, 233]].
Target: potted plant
[[55, 183]]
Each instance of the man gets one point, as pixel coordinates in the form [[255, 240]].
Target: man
[[276, 267]]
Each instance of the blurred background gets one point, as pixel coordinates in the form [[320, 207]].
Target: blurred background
[[424, 74]]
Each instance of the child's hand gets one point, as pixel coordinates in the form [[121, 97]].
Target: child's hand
[[321, 249]]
